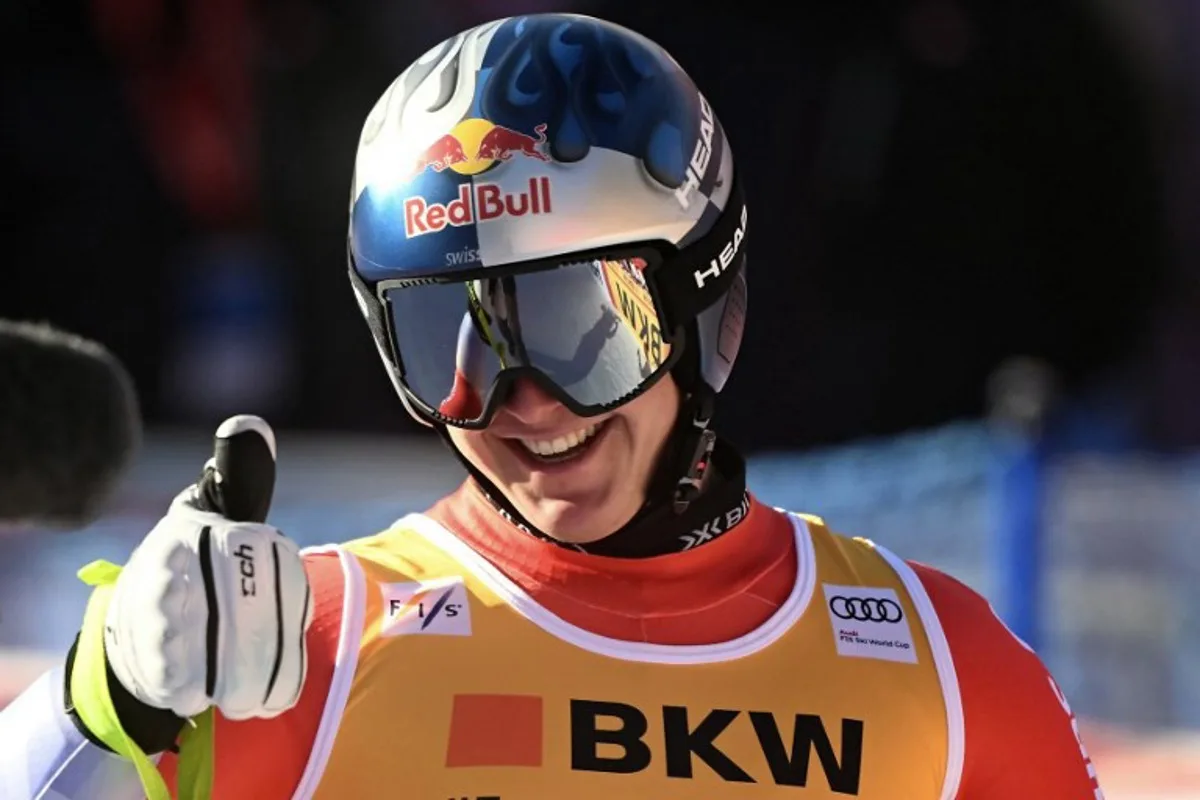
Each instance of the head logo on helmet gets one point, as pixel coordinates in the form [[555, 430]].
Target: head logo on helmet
[[698, 165]]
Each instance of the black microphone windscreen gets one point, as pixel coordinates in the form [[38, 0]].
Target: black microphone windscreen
[[70, 425]]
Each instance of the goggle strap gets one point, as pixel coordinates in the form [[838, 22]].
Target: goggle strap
[[698, 276]]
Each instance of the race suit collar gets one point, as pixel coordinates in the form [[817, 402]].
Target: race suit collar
[[744, 564]]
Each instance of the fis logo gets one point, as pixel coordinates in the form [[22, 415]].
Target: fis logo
[[438, 607]]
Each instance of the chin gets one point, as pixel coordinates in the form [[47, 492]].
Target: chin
[[573, 522]]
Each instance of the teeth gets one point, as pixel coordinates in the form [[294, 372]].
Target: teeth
[[561, 444]]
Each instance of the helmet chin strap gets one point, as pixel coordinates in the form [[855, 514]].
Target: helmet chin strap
[[680, 477], [682, 471]]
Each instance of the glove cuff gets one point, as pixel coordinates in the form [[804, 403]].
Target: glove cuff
[[154, 730]]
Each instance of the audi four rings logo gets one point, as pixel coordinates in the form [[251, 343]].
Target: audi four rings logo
[[866, 609]]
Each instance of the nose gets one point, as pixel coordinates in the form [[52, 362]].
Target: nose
[[529, 405]]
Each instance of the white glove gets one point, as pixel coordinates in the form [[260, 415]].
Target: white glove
[[213, 612]]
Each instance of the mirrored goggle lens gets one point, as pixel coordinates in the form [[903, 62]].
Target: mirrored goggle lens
[[591, 328]]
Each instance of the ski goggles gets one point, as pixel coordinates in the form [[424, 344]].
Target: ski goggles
[[588, 332], [593, 330]]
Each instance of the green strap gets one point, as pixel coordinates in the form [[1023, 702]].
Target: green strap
[[196, 758], [93, 703]]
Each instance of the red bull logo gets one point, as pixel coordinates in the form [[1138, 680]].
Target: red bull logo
[[443, 153], [476, 203], [476, 145]]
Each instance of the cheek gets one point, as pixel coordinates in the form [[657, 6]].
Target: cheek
[[474, 446], [655, 417], [653, 440]]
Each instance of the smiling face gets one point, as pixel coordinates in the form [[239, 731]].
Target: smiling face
[[573, 478]]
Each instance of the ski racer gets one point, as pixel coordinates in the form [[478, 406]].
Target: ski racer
[[547, 239]]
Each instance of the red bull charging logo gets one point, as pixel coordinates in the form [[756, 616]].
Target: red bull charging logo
[[470, 148], [475, 145]]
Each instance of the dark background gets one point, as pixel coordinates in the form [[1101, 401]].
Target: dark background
[[938, 185]]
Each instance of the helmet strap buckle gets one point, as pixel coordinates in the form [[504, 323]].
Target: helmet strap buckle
[[702, 440]]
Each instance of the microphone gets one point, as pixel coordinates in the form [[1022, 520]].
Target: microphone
[[70, 426]]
